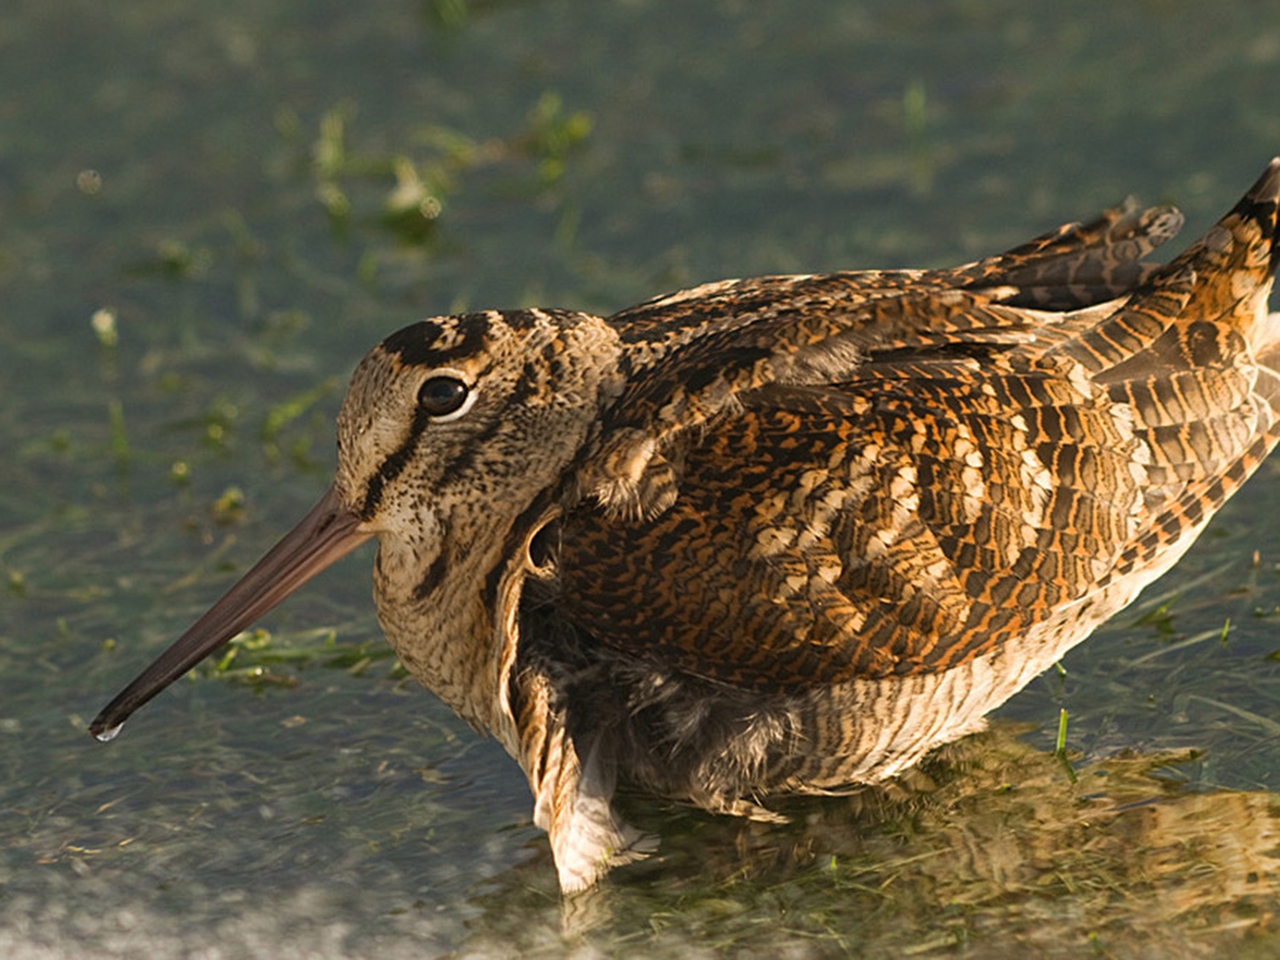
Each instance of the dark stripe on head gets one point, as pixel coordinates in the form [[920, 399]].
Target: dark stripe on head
[[520, 320], [419, 344], [526, 386], [393, 466]]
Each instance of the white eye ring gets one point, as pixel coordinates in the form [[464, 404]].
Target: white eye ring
[[455, 389], [461, 412]]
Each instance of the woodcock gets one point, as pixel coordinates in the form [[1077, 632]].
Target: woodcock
[[784, 535]]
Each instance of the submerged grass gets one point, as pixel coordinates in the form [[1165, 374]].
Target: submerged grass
[[1060, 749], [416, 179], [577, 155], [252, 656]]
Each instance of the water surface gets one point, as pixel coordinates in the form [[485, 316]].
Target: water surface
[[248, 197]]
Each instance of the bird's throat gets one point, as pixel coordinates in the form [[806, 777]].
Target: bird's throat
[[440, 612]]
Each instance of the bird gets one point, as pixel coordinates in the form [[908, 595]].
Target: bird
[[785, 535]]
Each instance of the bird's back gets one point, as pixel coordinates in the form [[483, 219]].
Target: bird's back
[[833, 521]]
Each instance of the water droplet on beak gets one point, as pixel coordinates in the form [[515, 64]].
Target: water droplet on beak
[[106, 736]]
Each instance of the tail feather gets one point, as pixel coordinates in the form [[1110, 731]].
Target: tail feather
[[1186, 313], [1235, 262], [1261, 206], [1078, 265], [1195, 355]]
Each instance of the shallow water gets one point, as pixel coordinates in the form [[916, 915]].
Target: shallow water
[[219, 187]]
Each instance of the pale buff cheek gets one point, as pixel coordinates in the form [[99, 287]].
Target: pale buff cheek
[[408, 551], [397, 560]]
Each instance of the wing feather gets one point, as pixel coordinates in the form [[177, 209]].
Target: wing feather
[[818, 479]]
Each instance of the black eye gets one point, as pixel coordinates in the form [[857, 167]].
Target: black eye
[[440, 396]]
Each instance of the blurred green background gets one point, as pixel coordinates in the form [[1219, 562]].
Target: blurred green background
[[209, 213]]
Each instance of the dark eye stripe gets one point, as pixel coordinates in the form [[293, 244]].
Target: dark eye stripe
[[394, 465]]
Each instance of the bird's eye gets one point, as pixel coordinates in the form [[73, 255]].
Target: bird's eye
[[441, 396]]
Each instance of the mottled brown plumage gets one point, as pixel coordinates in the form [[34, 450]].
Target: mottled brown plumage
[[785, 535]]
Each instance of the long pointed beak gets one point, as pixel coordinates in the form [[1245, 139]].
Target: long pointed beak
[[329, 532]]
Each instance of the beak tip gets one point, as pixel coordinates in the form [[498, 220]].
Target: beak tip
[[328, 532], [104, 734]]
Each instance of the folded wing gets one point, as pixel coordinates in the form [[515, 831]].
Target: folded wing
[[862, 475]]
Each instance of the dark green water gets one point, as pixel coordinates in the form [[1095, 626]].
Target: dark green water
[[255, 193]]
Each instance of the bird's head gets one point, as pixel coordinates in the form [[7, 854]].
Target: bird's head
[[449, 427]]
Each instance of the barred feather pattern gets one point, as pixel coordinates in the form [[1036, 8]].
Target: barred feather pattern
[[788, 534]]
